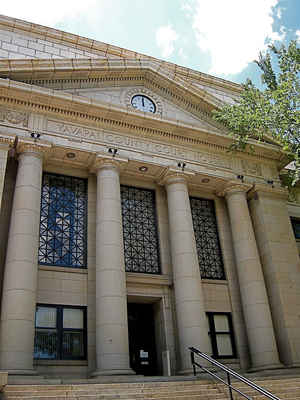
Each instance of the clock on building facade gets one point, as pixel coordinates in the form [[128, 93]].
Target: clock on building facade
[[143, 103]]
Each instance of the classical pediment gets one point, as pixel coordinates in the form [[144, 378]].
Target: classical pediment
[[121, 96], [97, 93], [112, 85]]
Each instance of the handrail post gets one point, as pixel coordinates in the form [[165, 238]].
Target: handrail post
[[229, 386], [193, 362]]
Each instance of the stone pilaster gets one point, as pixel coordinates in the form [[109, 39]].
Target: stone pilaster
[[190, 311], [20, 275], [280, 260], [112, 347], [262, 344], [6, 141]]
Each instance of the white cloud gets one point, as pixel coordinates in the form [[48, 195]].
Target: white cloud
[[298, 35], [165, 38], [48, 13], [182, 54], [233, 31]]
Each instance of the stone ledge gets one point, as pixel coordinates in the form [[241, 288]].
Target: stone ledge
[[3, 380]]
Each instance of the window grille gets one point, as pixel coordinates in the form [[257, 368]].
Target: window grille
[[141, 248], [207, 239], [63, 223]]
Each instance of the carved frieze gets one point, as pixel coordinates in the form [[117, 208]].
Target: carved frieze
[[14, 117], [251, 168], [134, 143]]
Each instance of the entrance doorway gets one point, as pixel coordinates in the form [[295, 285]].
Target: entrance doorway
[[142, 346]]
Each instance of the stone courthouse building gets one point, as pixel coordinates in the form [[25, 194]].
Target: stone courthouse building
[[128, 232]]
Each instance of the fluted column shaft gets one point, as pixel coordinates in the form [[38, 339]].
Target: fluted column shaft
[[190, 311], [20, 275], [260, 331], [112, 346]]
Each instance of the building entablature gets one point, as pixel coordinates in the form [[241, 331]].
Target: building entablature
[[77, 146]]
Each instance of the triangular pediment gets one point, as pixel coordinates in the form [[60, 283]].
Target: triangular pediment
[[112, 85], [122, 96]]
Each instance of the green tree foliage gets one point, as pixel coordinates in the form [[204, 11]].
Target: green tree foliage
[[273, 112]]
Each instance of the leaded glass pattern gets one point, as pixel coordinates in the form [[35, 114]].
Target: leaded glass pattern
[[63, 221], [141, 248], [207, 239]]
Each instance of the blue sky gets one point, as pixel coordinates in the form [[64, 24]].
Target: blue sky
[[219, 37]]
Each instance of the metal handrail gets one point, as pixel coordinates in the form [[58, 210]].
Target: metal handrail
[[230, 372]]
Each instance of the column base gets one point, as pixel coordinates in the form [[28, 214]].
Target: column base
[[266, 367], [24, 372], [187, 371], [110, 372]]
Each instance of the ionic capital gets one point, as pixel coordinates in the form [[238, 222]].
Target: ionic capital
[[106, 162], [176, 175], [261, 190], [234, 187], [41, 149], [7, 140]]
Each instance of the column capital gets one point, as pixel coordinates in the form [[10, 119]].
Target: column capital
[[40, 148], [108, 162], [176, 175], [267, 191], [7, 140], [233, 187]]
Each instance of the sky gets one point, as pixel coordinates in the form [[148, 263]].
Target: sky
[[218, 37]]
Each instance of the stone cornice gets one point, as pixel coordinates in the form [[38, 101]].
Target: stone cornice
[[43, 72], [148, 279], [106, 50], [83, 110]]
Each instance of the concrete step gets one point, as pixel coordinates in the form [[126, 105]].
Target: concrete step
[[286, 388]]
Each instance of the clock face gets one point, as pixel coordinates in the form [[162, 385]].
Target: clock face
[[143, 103]]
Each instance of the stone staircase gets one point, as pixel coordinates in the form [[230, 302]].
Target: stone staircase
[[284, 388]]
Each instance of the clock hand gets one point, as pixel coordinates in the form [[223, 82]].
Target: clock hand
[[143, 102]]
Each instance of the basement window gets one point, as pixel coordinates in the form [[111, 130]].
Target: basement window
[[60, 333], [296, 227], [221, 335]]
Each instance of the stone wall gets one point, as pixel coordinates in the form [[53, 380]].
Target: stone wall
[[15, 45]]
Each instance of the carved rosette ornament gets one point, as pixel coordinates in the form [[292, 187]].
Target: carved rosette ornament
[[14, 117]]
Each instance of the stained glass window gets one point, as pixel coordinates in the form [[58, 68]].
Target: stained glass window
[[63, 221], [140, 230], [207, 239]]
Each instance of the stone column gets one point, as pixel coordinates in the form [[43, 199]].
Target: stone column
[[262, 344], [20, 275], [112, 348], [280, 261], [191, 318]]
